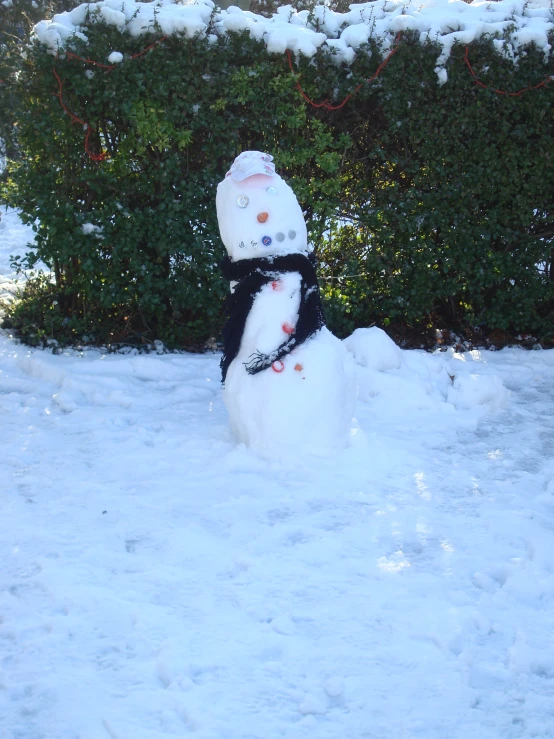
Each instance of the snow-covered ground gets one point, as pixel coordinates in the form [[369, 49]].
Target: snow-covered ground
[[158, 580], [14, 237]]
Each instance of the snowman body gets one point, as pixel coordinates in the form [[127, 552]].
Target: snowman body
[[304, 401]]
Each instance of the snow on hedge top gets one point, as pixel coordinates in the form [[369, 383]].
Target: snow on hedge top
[[444, 21]]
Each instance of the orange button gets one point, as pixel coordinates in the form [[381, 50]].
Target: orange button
[[262, 217], [298, 368]]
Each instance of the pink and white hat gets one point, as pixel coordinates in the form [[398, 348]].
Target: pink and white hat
[[249, 163]]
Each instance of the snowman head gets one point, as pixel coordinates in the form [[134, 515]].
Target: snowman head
[[257, 212]]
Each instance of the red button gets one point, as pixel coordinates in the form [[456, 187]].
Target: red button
[[278, 366], [287, 328]]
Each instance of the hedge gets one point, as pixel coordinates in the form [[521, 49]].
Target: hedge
[[426, 203]]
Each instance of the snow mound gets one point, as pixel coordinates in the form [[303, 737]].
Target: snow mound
[[392, 392], [395, 381], [468, 391], [445, 21], [373, 348]]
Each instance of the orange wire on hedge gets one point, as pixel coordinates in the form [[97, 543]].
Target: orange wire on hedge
[[95, 157], [109, 67], [502, 92], [70, 55], [325, 104]]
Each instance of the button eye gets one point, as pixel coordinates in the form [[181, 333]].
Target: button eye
[[242, 201], [292, 234]]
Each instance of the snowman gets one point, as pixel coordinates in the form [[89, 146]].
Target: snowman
[[288, 383]]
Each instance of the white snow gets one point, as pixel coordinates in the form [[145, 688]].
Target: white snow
[[159, 580], [14, 238], [116, 57], [468, 391], [371, 347], [91, 228], [446, 22]]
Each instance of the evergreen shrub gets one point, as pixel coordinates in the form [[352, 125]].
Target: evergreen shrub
[[450, 214], [16, 22], [426, 203]]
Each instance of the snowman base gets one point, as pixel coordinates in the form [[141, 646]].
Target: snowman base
[[302, 405]]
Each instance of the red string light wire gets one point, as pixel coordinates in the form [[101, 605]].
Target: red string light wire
[[109, 67], [74, 119], [544, 83], [325, 103], [155, 43]]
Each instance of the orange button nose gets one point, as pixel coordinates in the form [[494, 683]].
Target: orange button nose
[[262, 217]]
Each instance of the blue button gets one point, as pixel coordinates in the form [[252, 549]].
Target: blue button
[[266, 240]]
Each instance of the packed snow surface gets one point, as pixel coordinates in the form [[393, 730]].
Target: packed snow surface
[[159, 580], [444, 21]]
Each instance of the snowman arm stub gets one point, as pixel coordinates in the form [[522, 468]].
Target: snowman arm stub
[[251, 275]]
